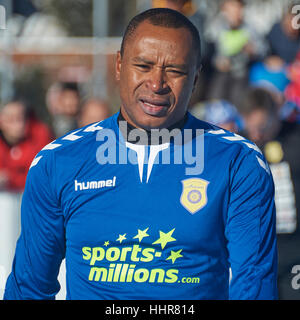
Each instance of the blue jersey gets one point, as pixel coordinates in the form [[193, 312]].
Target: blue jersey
[[161, 221]]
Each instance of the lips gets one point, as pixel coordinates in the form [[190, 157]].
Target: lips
[[154, 107]]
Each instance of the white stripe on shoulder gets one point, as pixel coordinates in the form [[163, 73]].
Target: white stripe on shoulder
[[221, 131], [253, 146], [263, 164], [72, 136], [94, 127], [35, 161], [51, 146], [235, 137]]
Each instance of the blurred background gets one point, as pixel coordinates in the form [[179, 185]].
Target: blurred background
[[57, 74]]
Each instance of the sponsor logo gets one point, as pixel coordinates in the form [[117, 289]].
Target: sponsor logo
[[92, 185], [127, 259]]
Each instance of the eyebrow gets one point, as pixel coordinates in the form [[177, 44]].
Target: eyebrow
[[171, 65], [142, 60]]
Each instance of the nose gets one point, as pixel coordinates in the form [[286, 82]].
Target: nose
[[157, 81]]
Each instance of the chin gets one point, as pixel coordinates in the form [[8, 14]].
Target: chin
[[148, 125]]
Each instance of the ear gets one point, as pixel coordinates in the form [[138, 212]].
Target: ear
[[118, 66], [196, 78]]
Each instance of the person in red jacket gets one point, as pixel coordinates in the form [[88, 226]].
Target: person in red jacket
[[21, 138]]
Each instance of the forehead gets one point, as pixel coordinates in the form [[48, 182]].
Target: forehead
[[13, 109], [257, 115], [148, 39]]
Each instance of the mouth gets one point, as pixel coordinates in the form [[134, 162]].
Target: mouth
[[154, 107]]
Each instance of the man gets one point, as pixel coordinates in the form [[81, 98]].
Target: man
[[279, 140], [283, 39], [21, 137], [140, 218], [63, 102], [237, 46]]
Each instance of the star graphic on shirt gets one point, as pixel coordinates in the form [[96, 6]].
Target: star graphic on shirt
[[141, 234], [106, 243], [175, 255], [164, 238], [121, 237]]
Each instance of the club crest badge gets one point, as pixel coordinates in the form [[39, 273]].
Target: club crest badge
[[194, 195]]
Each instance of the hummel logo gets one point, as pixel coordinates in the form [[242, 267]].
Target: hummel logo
[[94, 184]]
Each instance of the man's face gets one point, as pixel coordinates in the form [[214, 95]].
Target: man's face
[[69, 102], [260, 126], [234, 13], [157, 74], [13, 122]]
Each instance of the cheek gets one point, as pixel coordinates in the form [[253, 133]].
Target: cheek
[[182, 90], [128, 82]]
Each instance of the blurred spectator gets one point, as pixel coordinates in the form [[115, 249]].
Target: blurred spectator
[[279, 141], [270, 73], [236, 46], [260, 114], [21, 138], [63, 101], [187, 8], [32, 24], [93, 110], [292, 91], [219, 112], [23, 7], [290, 112], [283, 39], [290, 109]]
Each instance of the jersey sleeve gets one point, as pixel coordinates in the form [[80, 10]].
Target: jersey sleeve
[[41, 245], [251, 232]]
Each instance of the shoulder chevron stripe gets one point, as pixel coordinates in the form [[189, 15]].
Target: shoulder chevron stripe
[[235, 137], [51, 146], [72, 136], [35, 161], [252, 146], [263, 164], [221, 131], [69, 137]]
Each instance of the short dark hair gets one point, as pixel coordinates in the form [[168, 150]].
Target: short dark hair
[[164, 17], [18, 100], [72, 86], [258, 99]]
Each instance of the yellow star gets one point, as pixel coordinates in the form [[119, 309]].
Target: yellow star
[[164, 238], [141, 234], [121, 237], [175, 255], [106, 243]]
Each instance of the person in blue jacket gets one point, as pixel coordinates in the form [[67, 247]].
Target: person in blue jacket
[[150, 203]]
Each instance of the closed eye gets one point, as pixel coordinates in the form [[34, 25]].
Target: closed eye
[[143, 67], [176, 72]]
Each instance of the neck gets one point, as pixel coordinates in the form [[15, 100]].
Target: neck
[[146, 137]]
